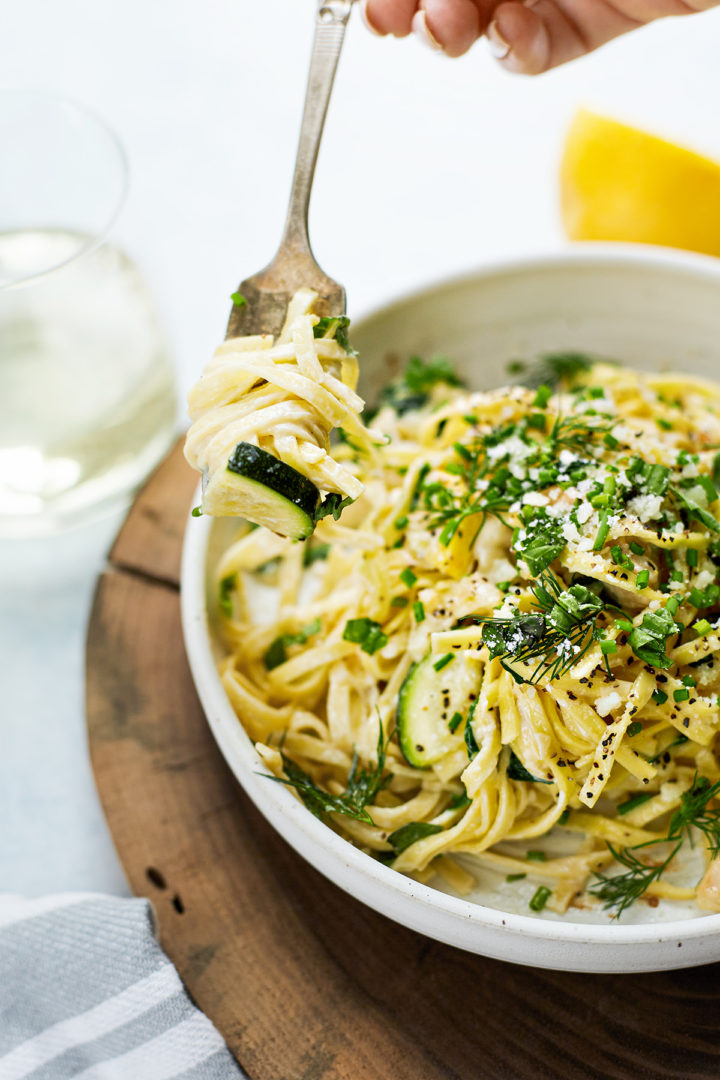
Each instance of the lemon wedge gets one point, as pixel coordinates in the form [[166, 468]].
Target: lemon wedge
[[618, 183]]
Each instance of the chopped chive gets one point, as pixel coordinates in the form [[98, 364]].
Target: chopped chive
[[408, 578], [536, 856], [636, 800], [504, 586], [238, 299], [634, 729], [543, 395], [595, 392], [659, 697], [637, 549], [663, 423], [462, 451], [692, 557], [399, 601], [687, 680], [607, 647], [677, 575], [401, 522], [455, 721], [642, 580], [672, 605], [515, 877], [563, 819], [399, 542], [197, 511], [681, 695], [702, 626], [540, 898], [616, 554], [602, 532], [444, 661], [419, 611], [611, 442], [624, 624]]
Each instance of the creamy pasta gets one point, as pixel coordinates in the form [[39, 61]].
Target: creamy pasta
[[512, 633]]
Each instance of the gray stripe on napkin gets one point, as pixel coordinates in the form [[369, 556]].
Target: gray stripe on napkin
[[86, 991]]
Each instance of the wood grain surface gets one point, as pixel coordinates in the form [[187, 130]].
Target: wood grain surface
[[303, 981]]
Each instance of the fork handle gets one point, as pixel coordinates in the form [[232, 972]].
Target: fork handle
[[330, 22]]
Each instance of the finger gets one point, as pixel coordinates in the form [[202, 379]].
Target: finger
[[453, 24], [542, 34], [390, 16]]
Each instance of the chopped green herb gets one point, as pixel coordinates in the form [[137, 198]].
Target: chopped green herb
[[225, 592], [361, 789], [515, 877], [313, 553], [564, 817], [366, 633], [659, 697], [634, 729], [637, 549], [622, 890], [455, 721], [608, 647], [399, 602], [691, 557], [419, 611], [642, 580], [412, 390], [635, 800], [602, 533], [557, 637], [335, 327], [542, 397], [408, 578], [648, 641], [444, 661], [238, 299], [517, 771], [696, 512], [540, 898], [197, 511], [681, 695], [701, 627], [401, 522], [663, 423], [470, 740], [333, 504], [276, 654], [409, 834], [536, 856]]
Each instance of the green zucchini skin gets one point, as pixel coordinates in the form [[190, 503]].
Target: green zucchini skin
[[256, 464], [426, 702], [258, 486]]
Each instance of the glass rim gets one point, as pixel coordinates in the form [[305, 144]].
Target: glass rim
[[89, 116]]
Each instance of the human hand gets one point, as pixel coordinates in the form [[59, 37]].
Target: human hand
[[529, 37]]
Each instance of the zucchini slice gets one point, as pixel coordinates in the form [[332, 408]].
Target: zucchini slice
[[427, 704], [258, 486]]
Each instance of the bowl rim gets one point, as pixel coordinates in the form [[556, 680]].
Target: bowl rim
[[301, 828]]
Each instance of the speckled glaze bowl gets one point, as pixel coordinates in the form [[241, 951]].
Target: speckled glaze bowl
[[651, 308]]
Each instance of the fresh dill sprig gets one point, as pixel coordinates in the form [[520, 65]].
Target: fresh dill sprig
[[622, 890], [557, 636], [574, 432], [693, 813], [361, 788]]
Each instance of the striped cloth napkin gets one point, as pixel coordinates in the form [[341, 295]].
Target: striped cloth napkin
[[87, 993]]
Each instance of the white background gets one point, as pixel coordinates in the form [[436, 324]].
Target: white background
[[429, 166]]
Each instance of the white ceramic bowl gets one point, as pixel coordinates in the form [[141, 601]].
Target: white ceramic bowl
[[648, 307]]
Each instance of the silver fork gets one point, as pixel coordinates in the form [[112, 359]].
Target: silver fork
[[268, 293]]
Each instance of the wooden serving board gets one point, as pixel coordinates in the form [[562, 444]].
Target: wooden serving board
[[304, 982]]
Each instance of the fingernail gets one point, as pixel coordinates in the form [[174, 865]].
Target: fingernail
[[422, 31], [366, 18], [497, 44]]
